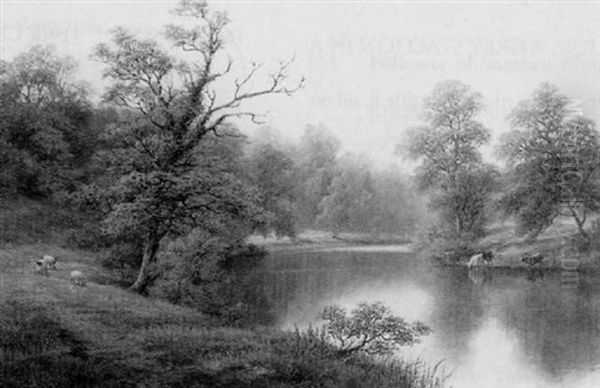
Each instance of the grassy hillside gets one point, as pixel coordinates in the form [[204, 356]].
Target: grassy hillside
[[56, 334]]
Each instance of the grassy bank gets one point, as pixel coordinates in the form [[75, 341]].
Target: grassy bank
[[555, 243], [56, 334]]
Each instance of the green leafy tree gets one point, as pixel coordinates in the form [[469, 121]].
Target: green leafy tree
[[450, 163], [349, 203], [272, 172], [370, 328], [316, 158], [554, 163], [8, 154], [168, 187], [470, 201], [46, 122]]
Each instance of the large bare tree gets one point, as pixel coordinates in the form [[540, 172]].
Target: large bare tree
[[179, 103]]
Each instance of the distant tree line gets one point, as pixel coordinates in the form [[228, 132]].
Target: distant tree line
[[312, 185]]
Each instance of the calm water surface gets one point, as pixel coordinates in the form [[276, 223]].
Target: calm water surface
[[496, 328]]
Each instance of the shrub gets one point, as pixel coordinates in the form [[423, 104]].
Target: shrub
[[206, 272], [308, 359], [371, 329]]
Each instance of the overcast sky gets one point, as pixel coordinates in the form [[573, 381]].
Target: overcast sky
[[368, 65]]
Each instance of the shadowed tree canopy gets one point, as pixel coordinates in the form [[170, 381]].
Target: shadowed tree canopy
[[168, 189], [45, 117], [554, 159], [272, 172]]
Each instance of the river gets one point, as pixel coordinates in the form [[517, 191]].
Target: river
[[493, 328]]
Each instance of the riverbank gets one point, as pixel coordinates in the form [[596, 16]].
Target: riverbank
[[557, 244], [53, 333], [322, 240]]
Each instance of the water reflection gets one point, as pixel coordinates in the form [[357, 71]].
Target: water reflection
[[479, 275], [534, 274], [495, 328], [495, 358]]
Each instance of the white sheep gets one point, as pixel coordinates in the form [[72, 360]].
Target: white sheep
[[50, 260], [78, 278], [41, 268]]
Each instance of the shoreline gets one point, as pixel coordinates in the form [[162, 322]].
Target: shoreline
[[325, 241], [552, 262], [508, 253]]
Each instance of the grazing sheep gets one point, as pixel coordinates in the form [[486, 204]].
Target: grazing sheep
[[78, 278], [41, 268], [480, 259], [50, 260]]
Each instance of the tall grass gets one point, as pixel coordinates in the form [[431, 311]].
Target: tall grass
[[36, 351], [307, 358]]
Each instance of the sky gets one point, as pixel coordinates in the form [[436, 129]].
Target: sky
[[368, 65]]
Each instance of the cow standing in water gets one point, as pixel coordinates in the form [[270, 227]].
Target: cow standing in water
[[480, 259]]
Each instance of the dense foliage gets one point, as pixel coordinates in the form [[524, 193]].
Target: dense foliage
[[450, 164], [554, 158], [46, 130]]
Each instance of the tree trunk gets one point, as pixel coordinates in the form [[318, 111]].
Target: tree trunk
[[150, 248], [582, 232], [580, 221], [457, 221]]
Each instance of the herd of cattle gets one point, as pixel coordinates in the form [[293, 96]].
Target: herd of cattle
[[48, 262], [486, 257]]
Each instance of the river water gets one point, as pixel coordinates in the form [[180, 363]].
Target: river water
[[493, 328]]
